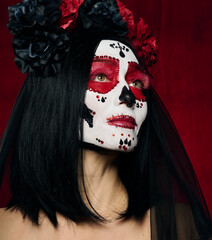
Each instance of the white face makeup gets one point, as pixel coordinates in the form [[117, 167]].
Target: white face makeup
[[116, 107]]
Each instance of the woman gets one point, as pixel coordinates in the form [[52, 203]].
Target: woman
[[92, 152]]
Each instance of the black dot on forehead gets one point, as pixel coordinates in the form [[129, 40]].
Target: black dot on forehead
[[121, 48], [113, 45], [122, 54]]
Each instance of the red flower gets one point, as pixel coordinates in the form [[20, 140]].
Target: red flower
[[145, 44], [127, 16], [69, 9], [142, 30], [140, 37]]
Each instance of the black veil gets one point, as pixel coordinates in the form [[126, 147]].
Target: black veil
[[178, 208], [180, 211]]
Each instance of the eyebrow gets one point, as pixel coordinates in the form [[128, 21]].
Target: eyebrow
[[108, 60], [136, 65]]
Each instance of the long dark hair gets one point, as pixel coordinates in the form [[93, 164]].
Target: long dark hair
[[46, 147], [43, 142]]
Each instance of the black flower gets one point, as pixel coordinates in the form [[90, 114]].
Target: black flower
[[40, 43], [103, 8], [41, 53], [52, 12], [24, 16], [102, 15]]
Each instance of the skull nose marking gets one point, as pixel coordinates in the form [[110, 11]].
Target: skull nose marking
[[127, 97]]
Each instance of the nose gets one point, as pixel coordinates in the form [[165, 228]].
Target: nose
[[127, 97]]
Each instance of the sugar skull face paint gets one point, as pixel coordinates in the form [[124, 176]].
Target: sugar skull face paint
[[114, 102]]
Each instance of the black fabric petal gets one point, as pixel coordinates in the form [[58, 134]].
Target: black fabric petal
[[27, 14], [40, 44], [24, 15], [102, 16], [41, 53]]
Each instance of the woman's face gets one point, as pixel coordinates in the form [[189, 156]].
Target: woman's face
[[115, 105]]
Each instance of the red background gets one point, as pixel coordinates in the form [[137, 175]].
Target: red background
[[182, 75]]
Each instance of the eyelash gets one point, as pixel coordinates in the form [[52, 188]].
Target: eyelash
[[137, 80], [95, 76], [101, 75]]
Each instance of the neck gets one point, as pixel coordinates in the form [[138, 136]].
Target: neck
[[103, 186]]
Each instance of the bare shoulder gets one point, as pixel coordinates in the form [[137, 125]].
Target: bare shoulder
[[10, 223], [14, 227], [8, 218]]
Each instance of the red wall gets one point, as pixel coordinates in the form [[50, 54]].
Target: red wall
[[182, 75]]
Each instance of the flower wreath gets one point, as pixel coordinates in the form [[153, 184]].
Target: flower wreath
[[43, 28]]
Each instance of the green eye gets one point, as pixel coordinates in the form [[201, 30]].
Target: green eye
[[137, 84], [101, 78]]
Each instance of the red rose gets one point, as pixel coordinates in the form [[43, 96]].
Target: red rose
[[150, 48], [127, 16], [69, 9], [137, 44], [142, 30], [145, 44], [149, 45]]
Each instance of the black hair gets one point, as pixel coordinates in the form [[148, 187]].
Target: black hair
[[46, 150], [43, 145]]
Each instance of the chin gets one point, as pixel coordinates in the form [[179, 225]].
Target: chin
[[109, 148]]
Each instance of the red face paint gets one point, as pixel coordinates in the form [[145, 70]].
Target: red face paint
[[134, 73], [107, 68]]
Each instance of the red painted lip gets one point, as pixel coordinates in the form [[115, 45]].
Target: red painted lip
[[123, 121]]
